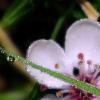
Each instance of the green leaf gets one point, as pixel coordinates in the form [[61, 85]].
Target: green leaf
[[79, 84], [17, 10]]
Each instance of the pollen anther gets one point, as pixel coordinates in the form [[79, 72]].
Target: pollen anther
[[57, 66], [59, 94], [89, 62], [80, 56]]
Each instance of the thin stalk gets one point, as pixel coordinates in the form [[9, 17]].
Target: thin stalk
[[57, 28], [12, 7], [13, 14], [10, 17], [33, 93], [60, 22], [9, 45], [10, 22], [88, 9]]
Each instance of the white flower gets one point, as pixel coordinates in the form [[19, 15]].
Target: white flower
[[82, 51]]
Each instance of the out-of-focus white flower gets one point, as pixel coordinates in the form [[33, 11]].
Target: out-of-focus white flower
[[81, 59]]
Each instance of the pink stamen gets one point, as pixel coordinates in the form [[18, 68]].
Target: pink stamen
[[43, 88], [80, 56]]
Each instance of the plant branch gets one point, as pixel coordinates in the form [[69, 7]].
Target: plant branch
[[9, 45], [60, 22], [88, 9], [79, 84]]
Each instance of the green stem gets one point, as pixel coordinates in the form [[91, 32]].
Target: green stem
[[7, 23], [57, 27], [60, 22], [15, 12], [13, 6], [33, 94], [79, 84]]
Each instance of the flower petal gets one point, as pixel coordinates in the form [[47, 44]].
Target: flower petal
[[84, 37], [98, 82], [52, 97], [49, 54], [98, 98]]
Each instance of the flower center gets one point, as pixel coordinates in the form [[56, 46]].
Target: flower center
[[88, 76], [80, 94]]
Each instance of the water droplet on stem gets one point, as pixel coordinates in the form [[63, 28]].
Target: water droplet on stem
[[10, 59]]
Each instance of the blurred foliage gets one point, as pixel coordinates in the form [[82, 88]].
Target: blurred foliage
[[96, 4], [18, 9], [34, 19]]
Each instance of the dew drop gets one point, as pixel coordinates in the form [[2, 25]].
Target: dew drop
[[10, 59], [2, 52], [25, 62]]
